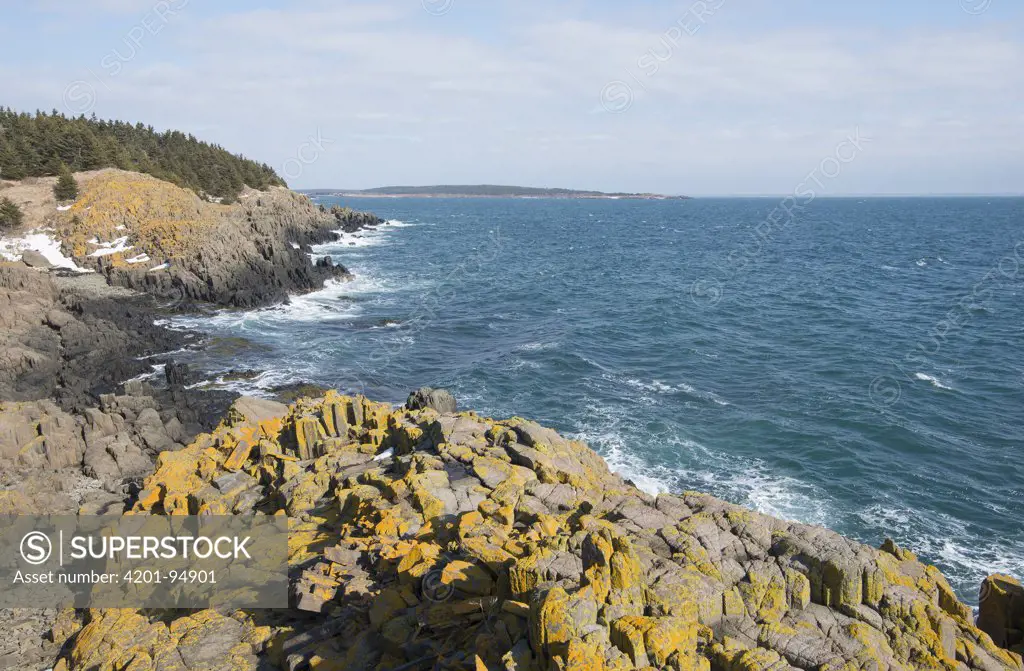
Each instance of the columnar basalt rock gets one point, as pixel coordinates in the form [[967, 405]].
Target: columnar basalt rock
[[440, 540]]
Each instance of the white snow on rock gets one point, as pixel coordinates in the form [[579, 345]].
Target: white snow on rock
[[141, 258], [11, 249], [115, 247], [63, 208], [162, 266]]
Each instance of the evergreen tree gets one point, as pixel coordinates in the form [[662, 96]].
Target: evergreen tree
[[66, 187], [41, 144], [10, 215]]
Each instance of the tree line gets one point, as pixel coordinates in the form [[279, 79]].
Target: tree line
[[41, 145]]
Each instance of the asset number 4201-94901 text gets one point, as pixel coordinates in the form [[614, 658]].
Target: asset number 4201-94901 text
[[158, 577]]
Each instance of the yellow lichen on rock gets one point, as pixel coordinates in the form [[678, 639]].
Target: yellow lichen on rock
[[426, 539]]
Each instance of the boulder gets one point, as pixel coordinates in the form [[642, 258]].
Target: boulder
[[438, 399], [34, 259]]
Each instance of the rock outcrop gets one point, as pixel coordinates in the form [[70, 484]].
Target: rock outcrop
[[70, 339], [53, 462], [173, 244], [437, 399], [111, 445], [1001, 611], [429, 540]]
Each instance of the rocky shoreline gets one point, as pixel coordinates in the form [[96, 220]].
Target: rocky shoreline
[[89, 392], [423, 537], [75, 343]]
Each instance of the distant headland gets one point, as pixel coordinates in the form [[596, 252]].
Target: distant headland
[[482, 191]]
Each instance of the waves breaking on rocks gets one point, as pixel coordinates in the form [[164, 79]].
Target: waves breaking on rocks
[[763, 400]]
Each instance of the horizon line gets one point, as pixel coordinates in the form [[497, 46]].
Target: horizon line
[[719, 195]]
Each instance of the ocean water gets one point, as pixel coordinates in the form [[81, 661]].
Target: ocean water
[[859, 366]]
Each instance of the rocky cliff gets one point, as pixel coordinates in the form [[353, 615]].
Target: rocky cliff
[[441, 540], [147, 234]]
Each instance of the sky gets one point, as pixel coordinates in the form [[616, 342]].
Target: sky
[[713, 97]]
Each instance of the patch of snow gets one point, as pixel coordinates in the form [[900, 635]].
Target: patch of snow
[[141, 258], [162, 266], [11, 249], [115, 247], [122, 227], [295, 245], [63, 208]]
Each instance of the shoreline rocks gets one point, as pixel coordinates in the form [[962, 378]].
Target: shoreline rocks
[[423, 539]]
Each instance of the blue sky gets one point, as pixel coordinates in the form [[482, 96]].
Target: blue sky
[[714, 97]]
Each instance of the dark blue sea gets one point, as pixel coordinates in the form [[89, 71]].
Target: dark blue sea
[[858, 366]]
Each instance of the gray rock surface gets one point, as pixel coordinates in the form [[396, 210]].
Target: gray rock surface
[[438, 399]]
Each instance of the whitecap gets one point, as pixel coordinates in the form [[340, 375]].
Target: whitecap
[[935, 381], [743, 480], [535, 346], [963, 556], [659, 387], [327, 304], [157, 371], [183, 350]]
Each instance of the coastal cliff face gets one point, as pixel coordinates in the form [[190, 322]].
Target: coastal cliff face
[[70, 338], [427, 539], [147, 234]]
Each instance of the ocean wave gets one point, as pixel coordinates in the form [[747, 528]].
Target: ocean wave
[[155, 372], [514, 363], [965, 557], [364, 237], [325, 305], [182, 350], [538, 346], [659, 387], [644, 456], [934, 381]]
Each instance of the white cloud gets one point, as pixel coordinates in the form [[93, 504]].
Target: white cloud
[[429, 99]]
